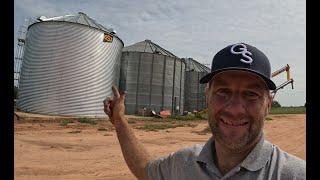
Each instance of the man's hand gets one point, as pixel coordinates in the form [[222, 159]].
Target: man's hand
[[114, 106], [133, 152]]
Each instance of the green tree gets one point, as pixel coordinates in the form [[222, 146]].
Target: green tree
[[275, 104]]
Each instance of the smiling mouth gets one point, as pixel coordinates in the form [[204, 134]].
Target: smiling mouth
[[235, 124]]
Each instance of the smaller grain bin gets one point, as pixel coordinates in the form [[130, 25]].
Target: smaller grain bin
[[194, 91], [153, 78]]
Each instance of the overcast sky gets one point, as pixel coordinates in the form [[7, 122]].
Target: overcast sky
[[199, 29]]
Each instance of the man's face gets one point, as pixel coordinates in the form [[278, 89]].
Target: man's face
[[238, 103]]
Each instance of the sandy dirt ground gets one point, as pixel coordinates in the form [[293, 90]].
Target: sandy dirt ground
[[48, 150]]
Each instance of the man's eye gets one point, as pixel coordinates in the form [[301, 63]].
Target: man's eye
[[251, 95], [223, 93]]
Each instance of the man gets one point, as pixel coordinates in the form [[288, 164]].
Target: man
[[238, 99]]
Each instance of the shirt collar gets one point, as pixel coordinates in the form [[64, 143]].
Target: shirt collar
[[259, 156], [255, 160], [206, 154]]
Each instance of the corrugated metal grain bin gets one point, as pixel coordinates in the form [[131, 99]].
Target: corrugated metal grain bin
[[69, 65], [194, 91], [153, 78]]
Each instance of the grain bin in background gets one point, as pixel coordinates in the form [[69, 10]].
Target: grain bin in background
[[69, 65], [153, 78], [194, 91]]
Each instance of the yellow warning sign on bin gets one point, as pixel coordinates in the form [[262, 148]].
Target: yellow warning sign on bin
[[107, 38]]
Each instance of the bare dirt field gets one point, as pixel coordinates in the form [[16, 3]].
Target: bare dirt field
[[49, 150]]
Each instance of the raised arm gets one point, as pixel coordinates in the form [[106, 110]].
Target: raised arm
[[133, 151]]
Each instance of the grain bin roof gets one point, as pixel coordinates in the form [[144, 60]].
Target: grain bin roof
[[149, 47], [79, 18], [193, 65]]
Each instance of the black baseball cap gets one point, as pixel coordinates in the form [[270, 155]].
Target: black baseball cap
[[243, 57]]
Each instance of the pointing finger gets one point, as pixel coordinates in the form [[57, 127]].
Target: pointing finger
[[115, 92]]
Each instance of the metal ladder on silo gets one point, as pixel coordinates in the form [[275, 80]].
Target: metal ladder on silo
[[19, 51]]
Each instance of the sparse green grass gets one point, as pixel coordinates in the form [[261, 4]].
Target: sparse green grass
[[182, 118], [288, 110], [268, 118], [86, 120], [156, 127], [74, 132], [204, 116], [204, 131], [157, 120], [132, 121], [65, 122], [102, 129], [190, 125], [191, 117]]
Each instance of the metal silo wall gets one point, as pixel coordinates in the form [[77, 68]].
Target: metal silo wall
[[202, 103], [148, 79], [183, 90], [67, 69], [157, 82], [178, 88], [168, 83], [194, 91], [128, 82]]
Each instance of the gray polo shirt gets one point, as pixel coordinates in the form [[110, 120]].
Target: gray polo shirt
[[265, 161]]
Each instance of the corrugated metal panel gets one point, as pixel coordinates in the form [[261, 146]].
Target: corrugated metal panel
[[193, 65], [194, 91], [151, 81], [67, 69], [183, 90]]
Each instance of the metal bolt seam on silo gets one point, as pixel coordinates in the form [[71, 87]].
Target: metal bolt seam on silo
[[194, 91], [152, 78], [67, 67]]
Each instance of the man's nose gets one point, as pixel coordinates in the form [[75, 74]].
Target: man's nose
[[235, 106]]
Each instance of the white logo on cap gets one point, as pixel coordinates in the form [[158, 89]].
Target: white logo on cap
[[244, 51]]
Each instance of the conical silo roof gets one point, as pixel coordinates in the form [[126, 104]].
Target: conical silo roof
[[79, 18], [193, 65], [149, 47]]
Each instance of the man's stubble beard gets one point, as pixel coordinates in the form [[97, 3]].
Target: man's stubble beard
[[249, 138]]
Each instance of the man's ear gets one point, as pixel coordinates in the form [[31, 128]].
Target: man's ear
[[269, 102]]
